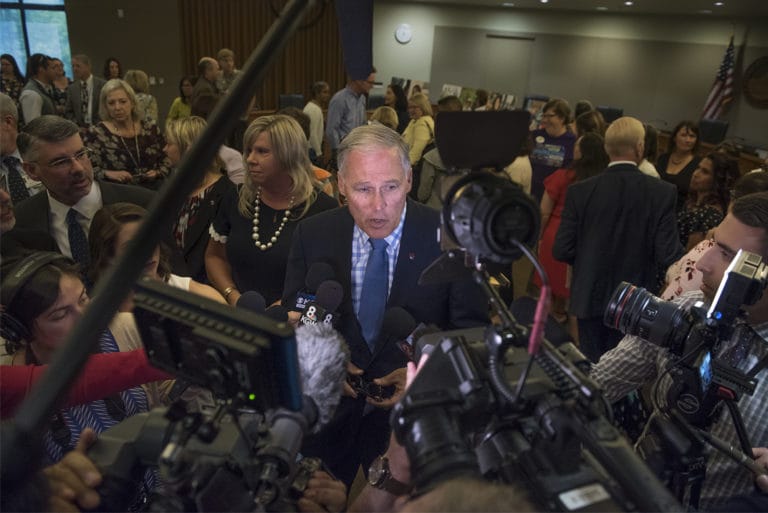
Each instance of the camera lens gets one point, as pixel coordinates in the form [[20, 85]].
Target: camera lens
[[635, 311]]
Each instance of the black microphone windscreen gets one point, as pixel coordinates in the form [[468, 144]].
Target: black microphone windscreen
[[329, 295], [317, 274], [397, 323], [252, 301], [277, 313]]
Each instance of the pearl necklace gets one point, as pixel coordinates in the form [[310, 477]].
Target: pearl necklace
[[279, 230]]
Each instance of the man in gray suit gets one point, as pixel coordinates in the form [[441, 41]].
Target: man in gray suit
[[54, 153], [83, 93], [36, 98]]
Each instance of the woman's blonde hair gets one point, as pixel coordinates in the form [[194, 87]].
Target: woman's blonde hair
[[114, 85], [184, 132], [290, 149], [386, 116], [138, 80], [422, 101]]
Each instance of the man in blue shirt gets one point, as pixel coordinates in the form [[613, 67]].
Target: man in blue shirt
[[347, 111]]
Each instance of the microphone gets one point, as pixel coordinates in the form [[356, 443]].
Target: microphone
[[323, 308], [277, 313], [317, 274], [397, 325], [252, 301], [323, 356]]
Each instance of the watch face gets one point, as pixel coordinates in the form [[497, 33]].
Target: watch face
[[377, 472]]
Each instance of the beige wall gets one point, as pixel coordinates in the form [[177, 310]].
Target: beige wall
[[146, 37], [658, 68]]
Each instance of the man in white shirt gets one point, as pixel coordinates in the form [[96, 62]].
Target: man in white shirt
[[36, 97], [54, 154]]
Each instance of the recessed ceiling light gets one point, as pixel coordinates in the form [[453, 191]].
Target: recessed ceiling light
[[629, 2], [719, 4], [507, 4], [543, 1], [602, 8]]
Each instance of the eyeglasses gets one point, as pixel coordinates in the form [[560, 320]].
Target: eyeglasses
[[65, 163]]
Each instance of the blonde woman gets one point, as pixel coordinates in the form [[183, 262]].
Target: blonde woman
[[190, 231], [387, 116], [140, 83], [124, 147], [251, 235], [421, 130]]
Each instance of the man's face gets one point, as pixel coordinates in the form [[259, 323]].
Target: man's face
[[80, 70], [67, 179], [213, 71], [376, 189], [8, 133], [730, 236], [365, 86], [227, 64]]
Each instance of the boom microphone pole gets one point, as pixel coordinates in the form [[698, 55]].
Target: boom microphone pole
[[21, 440]]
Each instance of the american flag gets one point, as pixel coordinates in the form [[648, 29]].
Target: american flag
[[722, 90]]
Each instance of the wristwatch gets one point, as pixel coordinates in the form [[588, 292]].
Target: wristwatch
[[379, 476]]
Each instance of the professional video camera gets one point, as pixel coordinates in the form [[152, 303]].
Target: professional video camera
[[243, 457], [688, 395], [461, 416]]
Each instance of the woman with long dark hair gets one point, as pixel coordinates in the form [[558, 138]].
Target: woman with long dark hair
[[395, 98], [589, 159], [12, 78], [708, 198], [678, 164]]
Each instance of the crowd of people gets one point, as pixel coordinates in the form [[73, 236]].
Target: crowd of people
[[361, 194]]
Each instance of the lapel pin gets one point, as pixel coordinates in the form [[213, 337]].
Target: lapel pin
[[411, 256]]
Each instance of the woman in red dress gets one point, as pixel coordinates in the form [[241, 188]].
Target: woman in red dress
[[589, 159]]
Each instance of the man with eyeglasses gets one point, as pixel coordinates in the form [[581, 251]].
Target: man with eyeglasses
[[54, 154], [346, 111]]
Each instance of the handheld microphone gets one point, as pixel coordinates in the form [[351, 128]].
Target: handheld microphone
[[277, 313], [323, 308], [397, 325], [318, 273], [252, 301]]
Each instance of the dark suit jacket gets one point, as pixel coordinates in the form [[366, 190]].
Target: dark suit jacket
[[351, 437], [617, 226], [327, 237], [74, 110], [34, 213], [190, 260]]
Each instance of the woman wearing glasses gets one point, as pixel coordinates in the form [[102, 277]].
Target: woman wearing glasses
[[126, 148], [552, 144]]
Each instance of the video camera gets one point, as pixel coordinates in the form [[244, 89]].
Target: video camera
[[461, 415], [689, 394], [243, 457]]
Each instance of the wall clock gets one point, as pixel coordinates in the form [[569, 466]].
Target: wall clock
[[403, 33]]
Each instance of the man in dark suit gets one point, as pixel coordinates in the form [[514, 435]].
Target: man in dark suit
[[54, 154], [617, 226], [378, 227], [83, 93]]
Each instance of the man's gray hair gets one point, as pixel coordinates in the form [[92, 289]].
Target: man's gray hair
[[373, 137], [45, 129], [8, 107]]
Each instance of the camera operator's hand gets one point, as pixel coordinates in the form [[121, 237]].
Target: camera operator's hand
[[352, 370], [323, 493], [73, 479], [761, 458], [397, 378]]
